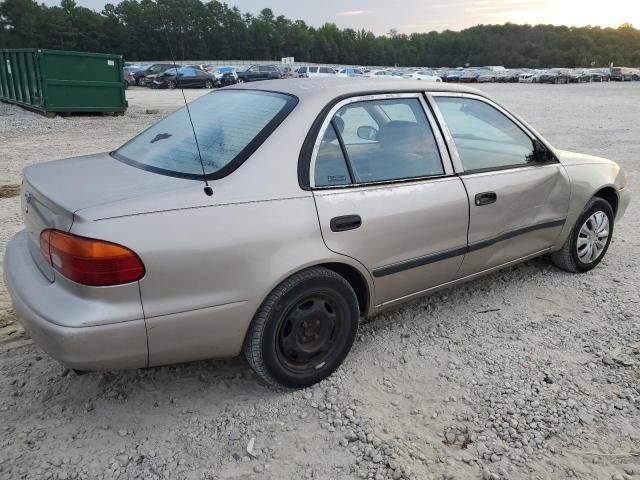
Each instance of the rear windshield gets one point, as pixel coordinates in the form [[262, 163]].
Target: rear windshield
[[230, 125]]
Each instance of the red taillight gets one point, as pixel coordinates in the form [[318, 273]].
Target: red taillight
[[89, 261]]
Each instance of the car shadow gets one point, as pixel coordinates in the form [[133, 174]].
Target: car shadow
[[198, 384]]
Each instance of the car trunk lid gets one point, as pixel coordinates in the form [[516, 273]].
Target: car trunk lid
[[53, 191], [40, 213]]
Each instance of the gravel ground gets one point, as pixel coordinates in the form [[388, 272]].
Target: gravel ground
[[529, 373]]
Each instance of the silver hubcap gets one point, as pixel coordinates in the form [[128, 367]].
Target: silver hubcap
[[593, 237]]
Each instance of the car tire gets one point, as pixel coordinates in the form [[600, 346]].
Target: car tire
[[208, 84], [240, 80], [171, 85], [571, 257], [304, 329]]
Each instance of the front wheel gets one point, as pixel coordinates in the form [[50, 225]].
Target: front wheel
[[589, 240], [241, 80], [171, 84], [208, 84], [304, 329]]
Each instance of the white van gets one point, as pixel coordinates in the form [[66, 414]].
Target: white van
[[315, 72]]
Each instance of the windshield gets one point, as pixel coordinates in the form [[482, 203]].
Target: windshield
[[230, 125]]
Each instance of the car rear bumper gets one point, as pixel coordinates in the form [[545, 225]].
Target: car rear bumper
[[37, 302]]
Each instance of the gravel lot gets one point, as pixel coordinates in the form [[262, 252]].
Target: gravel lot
[[528, 373]]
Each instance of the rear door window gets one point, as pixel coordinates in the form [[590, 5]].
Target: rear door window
[[383, 140]]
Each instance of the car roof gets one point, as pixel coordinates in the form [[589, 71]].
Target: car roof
[[327, 89]]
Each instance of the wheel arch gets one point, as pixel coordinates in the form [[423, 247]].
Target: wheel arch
[[356, 280], [610, 195], [355, 276]]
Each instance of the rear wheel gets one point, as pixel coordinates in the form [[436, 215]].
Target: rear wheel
[[589, 240], [241, 80], [304, 329], [171, 84]]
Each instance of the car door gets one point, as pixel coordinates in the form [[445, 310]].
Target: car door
[[518, 191], [201, 77], [186, 77], [264, 73], [253, 73], [386, 194], [328, 71]]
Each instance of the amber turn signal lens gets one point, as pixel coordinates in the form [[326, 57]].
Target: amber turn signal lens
[[89, 261]]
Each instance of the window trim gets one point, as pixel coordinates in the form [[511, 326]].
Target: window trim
[[328, 120], [291, 101], [453, 149]]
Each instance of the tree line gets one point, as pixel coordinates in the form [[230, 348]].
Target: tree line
[[139, 29]]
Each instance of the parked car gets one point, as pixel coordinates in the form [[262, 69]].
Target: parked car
[[578, 76], [184, 77], [622, 74], [224, 76], [526, 77], [125, 262], [154, 69], [350, 72], [399, 73], [598, 75], [487, 76], [259, 72], [129, 74], [554, 77], [508, 76], [377, 74], [425, 75], [470, 76], [453, 76], [315, 71]]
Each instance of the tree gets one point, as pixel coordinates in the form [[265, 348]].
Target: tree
[[200, 30]]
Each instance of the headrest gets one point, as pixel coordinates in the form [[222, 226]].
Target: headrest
[[400, 134]]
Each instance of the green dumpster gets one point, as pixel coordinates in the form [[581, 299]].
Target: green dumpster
[[57, 81]]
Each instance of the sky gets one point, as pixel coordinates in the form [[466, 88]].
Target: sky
[[409, 16]]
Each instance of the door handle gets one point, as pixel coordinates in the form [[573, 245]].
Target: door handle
[[486, 198], [345, 222]]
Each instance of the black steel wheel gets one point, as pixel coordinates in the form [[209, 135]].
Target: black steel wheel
[[304, 329]]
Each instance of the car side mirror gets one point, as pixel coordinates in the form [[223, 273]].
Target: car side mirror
[[180, 75], [541, 154], [366, 132]]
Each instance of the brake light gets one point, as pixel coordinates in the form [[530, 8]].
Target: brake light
[[89, 261]]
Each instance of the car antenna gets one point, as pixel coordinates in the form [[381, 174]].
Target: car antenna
[[207, 188]]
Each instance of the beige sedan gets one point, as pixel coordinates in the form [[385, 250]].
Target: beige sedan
[[326, 201]]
